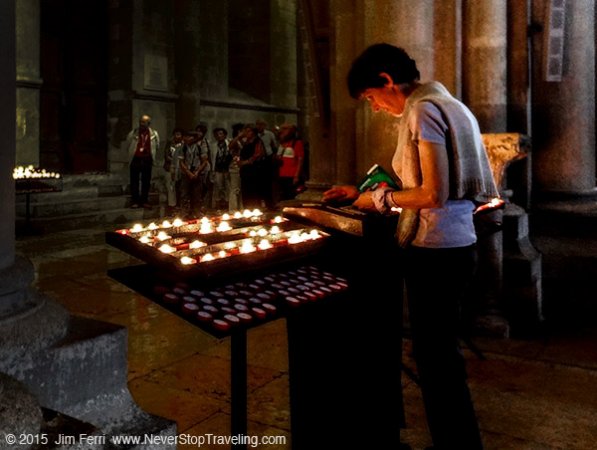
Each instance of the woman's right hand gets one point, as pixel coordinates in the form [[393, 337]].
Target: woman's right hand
[[341, 194]]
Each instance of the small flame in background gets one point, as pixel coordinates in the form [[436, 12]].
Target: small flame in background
[[30, 172], [495, 203]]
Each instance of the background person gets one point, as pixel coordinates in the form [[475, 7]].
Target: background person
[[172, 168], [290, 158], [143, 143]]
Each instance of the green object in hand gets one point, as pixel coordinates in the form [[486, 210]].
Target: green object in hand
[[377, 177]]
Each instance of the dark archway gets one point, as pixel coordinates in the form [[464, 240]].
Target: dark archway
[[73, 102]]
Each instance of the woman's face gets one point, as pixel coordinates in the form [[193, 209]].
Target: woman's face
[[385, 99]]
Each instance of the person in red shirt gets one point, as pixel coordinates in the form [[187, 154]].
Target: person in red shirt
[[290, 157], [143, 143]]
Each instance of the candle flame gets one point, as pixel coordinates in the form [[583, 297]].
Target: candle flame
[[177, 222], [224, 226], [264, 244], [167, 249], [197, 244], [186, 260], [207, 257], [247, 246], [162, 236]]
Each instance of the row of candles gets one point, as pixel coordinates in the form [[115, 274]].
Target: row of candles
[[205, 225], [256, 238], [30, 172]]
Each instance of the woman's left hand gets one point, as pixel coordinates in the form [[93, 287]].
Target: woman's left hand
[[365, 202]]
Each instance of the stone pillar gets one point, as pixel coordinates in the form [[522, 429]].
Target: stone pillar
[[7, 137], [564, 112], [28, 81], [27, 321], [448, 45], [283, 43], [519, 96], [212, 44], [485, 68], [411, 27], [186, 62], [485, 93], [343, 106], [321, 153]]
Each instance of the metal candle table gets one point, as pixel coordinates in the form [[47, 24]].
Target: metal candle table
[[218, 273], [30, 186]]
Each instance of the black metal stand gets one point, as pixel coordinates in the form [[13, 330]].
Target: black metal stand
[[238, 388]]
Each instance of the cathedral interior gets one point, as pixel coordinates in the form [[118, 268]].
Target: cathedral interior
[[86, 354]]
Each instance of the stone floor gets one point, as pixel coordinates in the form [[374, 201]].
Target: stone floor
[[537, 393]]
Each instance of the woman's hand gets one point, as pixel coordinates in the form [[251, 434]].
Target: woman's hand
[[341, 194], [365, 202]]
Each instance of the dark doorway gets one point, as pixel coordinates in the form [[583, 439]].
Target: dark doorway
[[73, 103]]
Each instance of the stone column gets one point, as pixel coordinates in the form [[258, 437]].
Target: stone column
[[28, 81], [212, 59], [448, 45], [283, 43], [564, 112], [485, 93], [343, 107], [484, 71], [321, 153], [411, 27], [7, 137], [519, 95], [28, 322]]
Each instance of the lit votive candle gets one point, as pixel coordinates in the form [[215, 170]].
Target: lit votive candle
[[205, 228], [177, 223], [196, 244], [167, 249], [225, 216], [295, 238], [137, 228], [166, 224], [278, 219], [145, 240], [264, 244], [207, 257], [186, 260], [262, 232], [256, 212], [162, 236], [238, 215], [274, 230], [247, 247], [152, 226], [223, 226]]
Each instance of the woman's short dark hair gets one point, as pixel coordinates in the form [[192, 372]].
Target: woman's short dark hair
[[223, 130], [378, 58]]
